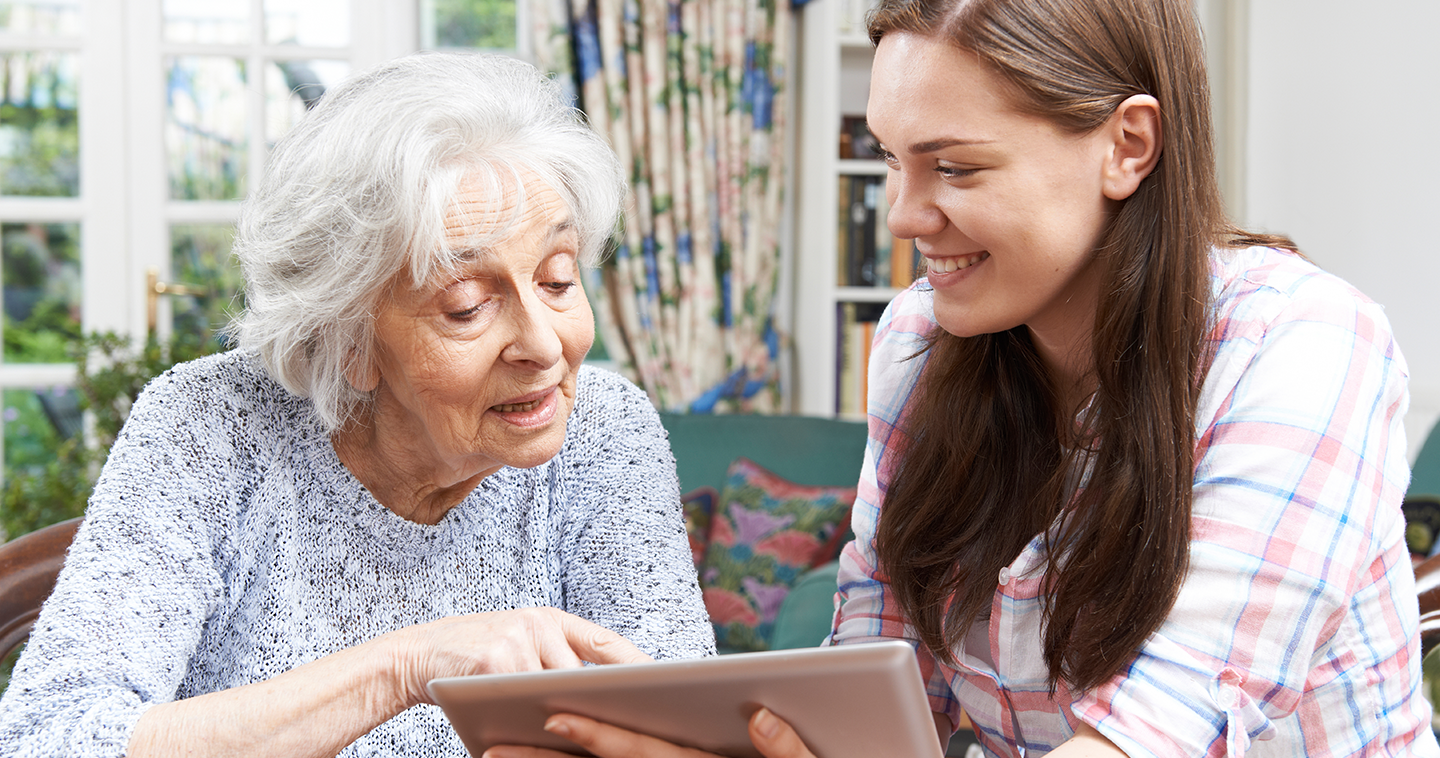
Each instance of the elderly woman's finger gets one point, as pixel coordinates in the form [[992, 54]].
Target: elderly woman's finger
[[597, 644], [775, 738]]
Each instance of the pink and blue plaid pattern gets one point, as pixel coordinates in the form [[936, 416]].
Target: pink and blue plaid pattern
[[1294, 633]]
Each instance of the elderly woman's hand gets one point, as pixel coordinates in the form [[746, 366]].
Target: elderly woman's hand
[[771, 736], [527, 639], [356, 689]]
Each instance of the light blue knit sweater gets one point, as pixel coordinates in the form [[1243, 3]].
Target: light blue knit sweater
[[226, 544]]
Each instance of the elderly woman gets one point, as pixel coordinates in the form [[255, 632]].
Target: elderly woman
[[403, 472]]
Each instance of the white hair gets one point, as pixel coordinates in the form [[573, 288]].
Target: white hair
[[357, 193]]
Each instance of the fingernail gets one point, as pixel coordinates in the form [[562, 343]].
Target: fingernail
[[766, 723], [557, 727]]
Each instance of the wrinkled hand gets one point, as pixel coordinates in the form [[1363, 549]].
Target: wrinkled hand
[[528, 639], [771, 736]]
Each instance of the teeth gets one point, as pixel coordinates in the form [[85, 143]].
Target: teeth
[[954, 263], [517, 407]]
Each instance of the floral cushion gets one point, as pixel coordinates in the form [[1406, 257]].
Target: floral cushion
[[764, 535], [699, 508]]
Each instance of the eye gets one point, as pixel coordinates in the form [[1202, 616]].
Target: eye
[[559, 274], [887, 156], [951, 172], [468, 314]]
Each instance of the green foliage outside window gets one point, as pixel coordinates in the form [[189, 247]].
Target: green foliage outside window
[[110, 372], [39, 132], [200, 255], [44, 336], [487, 24]]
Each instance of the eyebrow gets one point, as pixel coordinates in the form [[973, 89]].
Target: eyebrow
[[477, 252], [921, 148], [558, 229], [930, 146]]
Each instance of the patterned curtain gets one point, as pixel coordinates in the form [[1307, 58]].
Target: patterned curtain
[[690, 94]]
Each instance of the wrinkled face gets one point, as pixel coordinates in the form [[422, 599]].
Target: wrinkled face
[[1006, 207], [478, 370]]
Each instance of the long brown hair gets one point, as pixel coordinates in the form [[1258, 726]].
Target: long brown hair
[[983, 467]]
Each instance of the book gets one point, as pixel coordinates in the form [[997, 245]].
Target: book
[[859, 196], [903, 263], [884, 240], [855, 332], [856, 142], [844, 368], [862, 232], [868, 255], [846, 397], [842, 236]]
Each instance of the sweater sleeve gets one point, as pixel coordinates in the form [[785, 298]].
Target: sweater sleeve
[[627, 562], [116, 635]]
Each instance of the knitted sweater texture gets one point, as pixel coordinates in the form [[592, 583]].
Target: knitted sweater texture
[[226, 544]]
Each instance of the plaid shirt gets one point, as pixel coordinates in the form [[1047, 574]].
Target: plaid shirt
[[1295, 630]]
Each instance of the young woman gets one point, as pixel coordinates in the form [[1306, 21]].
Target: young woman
[[1134, 476]]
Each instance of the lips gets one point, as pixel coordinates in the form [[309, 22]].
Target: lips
[[516, 407], [523, 404], [953, 263]]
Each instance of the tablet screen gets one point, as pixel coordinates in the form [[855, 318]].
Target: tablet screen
[[853, 700]]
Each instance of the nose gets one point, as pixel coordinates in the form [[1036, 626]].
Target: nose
[[913, 212], [534, 338]]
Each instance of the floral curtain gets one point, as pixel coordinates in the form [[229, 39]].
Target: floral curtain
[[690, 94]]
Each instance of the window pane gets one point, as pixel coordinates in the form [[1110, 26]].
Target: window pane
[[39, 140], [47, 17], [293, 87], [469, 23], [41, 291], [36, 422], [200, 256], [45, 480], [214, 22], [205, 131], [312, 23]]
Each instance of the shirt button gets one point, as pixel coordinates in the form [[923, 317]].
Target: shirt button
[[1004, 576], [1229, 698]]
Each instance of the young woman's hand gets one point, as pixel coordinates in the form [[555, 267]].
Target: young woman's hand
[[527, 639], [771, 736]]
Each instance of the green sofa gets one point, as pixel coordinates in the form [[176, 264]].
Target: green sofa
[[802, 449]]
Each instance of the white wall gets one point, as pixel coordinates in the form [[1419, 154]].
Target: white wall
[[1342, 153]]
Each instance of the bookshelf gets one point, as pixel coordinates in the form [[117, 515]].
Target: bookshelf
[[836, 292]]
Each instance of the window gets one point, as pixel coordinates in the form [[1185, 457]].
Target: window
[[42, 217], [472, 24], [129, 132]]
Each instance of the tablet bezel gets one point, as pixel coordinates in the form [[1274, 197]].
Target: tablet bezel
[[851, 700]]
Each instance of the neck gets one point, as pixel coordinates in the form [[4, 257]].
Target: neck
[[1071, 367], [398, 477]]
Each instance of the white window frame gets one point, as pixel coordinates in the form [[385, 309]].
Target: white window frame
[[380, 30], [123, 210]]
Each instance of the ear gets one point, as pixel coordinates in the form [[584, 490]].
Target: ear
[[1136, 141], [364, 376]]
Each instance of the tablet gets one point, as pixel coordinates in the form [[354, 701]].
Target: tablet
[[851, 700]]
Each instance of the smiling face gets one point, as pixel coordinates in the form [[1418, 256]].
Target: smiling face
[[478, 370], [1006, 207]]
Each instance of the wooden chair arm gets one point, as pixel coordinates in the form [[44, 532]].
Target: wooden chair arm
[[29, 566]]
